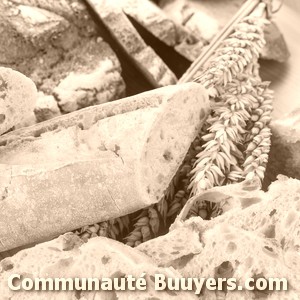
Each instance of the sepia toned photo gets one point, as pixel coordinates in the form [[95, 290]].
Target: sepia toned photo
[[149, 149]]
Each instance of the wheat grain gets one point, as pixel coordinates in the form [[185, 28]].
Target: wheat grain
[[236, 142]]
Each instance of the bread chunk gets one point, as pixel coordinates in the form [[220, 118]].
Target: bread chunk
[[257, 236], [55, 42], [95, 164], [18, 96]]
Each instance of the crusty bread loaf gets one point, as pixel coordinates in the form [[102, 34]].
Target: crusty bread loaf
[[68, 257], [56, 44], [257, 236], [95, 164], [18, 97]]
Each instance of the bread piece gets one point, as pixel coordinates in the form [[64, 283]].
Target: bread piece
[[96, 164], [257, 236], [18, 97], [68, 257], [55, 43], [284, 156], [122, 29]]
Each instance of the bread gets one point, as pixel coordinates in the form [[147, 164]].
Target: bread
[[257, 236], [121, 28], [68, 257], [18, 97], [163, 27], [56, 44], [284, 156], [276, 47], [95, 164]]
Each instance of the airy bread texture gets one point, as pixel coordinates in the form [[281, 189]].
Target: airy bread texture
[[258, 235], [68, 257], [96, 164], [18, 96]]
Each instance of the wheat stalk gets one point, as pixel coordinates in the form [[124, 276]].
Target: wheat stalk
[[237, 140]]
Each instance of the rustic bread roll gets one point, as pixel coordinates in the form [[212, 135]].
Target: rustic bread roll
[[68, 257], [257, 236], [56, 44], [95, 164], [18, 97]]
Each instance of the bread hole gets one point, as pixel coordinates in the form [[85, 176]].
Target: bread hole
[[2, 118], [231, 247], [80, 125], [78, 294], [167, 155], [259, 280], [269, 248], [202, 114], [105, 259], [161, 135], [118, 274], [249, 186], [273, 212], [6, 265], [224, 270], [269, 251], [269, 232], [160, 177], [178, 247], [182, 261], [152, 278], [246, 202], [263, 222], [290, 218]]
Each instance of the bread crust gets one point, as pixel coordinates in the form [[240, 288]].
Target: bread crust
[[95, 164]]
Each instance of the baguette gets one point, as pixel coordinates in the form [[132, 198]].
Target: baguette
[[68, 257], [95, 164]]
